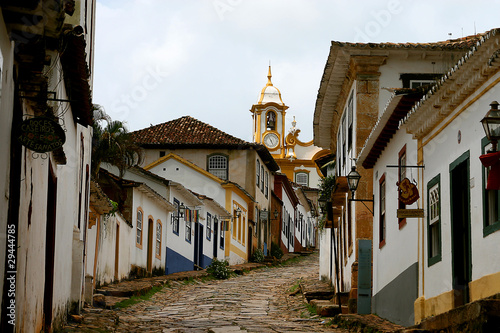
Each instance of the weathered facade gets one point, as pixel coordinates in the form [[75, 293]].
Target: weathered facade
[[45, 79], [452, 243], [351, 97]]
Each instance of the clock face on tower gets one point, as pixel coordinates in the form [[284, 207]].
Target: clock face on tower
[[271, 140]]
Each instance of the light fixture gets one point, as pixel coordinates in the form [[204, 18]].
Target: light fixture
[[276, 213], [237, 212], [182, 210], [491, 125], [353, 181]]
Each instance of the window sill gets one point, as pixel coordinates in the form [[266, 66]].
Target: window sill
[[402, 223], [381, 244], [138, 245], [488, 230], [158, 256], [433, 260]]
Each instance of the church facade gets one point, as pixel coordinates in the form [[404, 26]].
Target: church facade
[[294, 157]]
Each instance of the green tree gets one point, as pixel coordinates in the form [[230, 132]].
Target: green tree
[[112, 143]]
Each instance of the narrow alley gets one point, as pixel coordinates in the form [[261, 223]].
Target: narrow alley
[[258, 301]]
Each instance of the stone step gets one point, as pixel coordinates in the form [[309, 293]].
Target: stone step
[[326, 308], [325, 295]]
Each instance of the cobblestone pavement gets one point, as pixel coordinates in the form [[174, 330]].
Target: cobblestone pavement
[[258, 301]]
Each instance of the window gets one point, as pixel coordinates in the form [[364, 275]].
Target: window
[[217, 166], [381, 222], [271, 120], [222, 232], [158, 239], [209, 226], [258, 172], [302, 178], [188, 219], [262, 178], [414, 80], [267, 184], [434, 221], [350, 121], [491, 199], [162, 153], [401, 176], [420, 83], [344, 151], [175, 218], [138, 239]]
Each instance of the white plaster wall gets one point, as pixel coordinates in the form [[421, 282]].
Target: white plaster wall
[[197, 182], [401, 247], [151, 209], [325, 255], [434, 62], [127, 236], [68, 275], [439, 154], [178, 243]]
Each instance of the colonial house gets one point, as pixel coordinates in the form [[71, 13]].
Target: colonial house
[[45, 130], [245, 167], [234, 232], [357, 83], [190, 236], [450, 249], [305, 233], [285, 192]]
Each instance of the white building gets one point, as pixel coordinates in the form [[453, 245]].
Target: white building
[[235, 239], [354, 90], [449, 252]]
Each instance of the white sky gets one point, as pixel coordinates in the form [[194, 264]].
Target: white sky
[[158, 60]]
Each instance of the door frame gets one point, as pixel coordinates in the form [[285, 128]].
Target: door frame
[[461, 298]]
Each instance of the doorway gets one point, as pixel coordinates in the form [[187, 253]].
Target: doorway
[[150, 245], [460, 229], [198, 246], [216, 237], [50, 238]]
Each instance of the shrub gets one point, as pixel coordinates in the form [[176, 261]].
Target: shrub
[[276, 251], [257, 256], [219, 269]]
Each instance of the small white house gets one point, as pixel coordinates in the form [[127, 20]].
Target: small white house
[[234, 200]]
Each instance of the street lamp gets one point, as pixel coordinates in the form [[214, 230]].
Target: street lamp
[[353, 181], [491, 125]]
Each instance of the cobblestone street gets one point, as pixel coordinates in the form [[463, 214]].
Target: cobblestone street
[[258, 301]]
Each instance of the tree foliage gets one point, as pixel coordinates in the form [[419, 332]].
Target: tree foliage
[[112, 143]]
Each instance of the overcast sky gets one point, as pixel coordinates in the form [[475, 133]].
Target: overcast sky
[[158, 60]]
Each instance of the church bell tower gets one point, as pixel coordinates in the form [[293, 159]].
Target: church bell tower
[[269, 119]]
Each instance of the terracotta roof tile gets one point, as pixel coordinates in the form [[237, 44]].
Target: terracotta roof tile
[[450, 44], [185, 131]]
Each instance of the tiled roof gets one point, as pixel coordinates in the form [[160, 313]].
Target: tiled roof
[[450, 44], [185, 131]]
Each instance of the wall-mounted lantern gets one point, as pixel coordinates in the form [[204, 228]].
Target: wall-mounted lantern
[[353, 181], [491, 125]]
